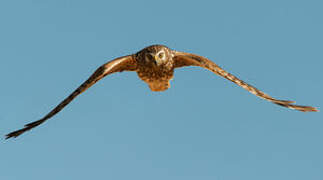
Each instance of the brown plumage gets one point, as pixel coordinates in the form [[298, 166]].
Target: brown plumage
[[155, 65]]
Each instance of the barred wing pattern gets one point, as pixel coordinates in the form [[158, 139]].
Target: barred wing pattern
[[187, 59], [125, 63]]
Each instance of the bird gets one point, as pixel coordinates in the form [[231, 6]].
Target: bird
[[155, 65]]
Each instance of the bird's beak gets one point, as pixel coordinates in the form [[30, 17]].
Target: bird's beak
[[157, 62]]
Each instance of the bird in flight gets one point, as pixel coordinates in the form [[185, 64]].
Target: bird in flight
[[155, 65]]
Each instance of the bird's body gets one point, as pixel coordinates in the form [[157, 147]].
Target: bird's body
[[157, 76], [157, 80], [155, 65]]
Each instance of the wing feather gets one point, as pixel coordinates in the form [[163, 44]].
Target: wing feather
[[187, 59], [125, 63]]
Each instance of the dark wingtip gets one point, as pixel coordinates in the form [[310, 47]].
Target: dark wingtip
[[27, 127], [16, 133]]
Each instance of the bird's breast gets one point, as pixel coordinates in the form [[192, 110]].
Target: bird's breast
[[157, 79]]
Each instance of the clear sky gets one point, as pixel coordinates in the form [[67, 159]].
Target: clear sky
[[203, 127]]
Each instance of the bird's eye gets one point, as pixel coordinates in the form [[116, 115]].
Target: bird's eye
[[161, 55], [150, 56]]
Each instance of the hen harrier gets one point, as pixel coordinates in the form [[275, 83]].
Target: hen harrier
[[155, 65]]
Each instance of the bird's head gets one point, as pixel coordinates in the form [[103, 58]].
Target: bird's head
[[156, 55]]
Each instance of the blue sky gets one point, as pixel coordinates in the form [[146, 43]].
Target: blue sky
[[203, 127]]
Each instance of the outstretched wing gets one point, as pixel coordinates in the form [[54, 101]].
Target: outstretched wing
[[126, 63], [187, 59]]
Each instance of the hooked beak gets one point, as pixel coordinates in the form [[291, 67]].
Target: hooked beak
[[156, 61]]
